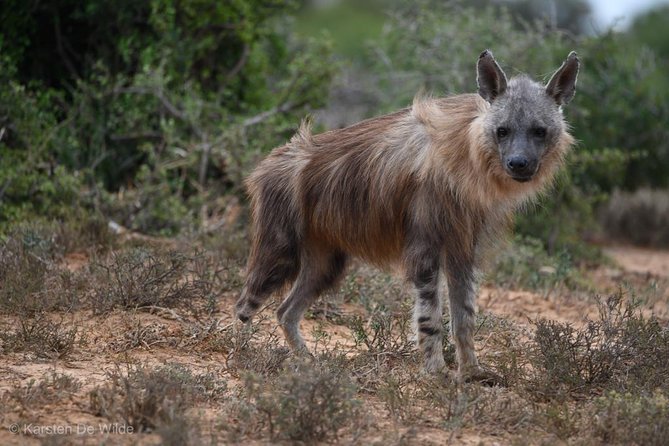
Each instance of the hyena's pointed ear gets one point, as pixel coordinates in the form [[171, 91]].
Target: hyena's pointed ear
[[490, 77], [562, 85]]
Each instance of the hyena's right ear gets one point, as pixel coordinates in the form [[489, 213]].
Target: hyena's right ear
[[490, 77]]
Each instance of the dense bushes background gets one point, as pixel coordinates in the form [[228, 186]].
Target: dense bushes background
[[145, 110], [148, 113]]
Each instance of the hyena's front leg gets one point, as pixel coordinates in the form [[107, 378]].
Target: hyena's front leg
[[424, 273], [462, 300]]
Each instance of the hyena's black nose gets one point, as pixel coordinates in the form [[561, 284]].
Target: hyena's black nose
[[517, 164]]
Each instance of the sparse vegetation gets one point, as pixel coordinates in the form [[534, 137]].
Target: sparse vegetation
[[142, 278], [50, 389], [624, 418], [556, 375], [308, 401], [126, 129], [622, 350], [525, 264], [148, 398], [42, 336]]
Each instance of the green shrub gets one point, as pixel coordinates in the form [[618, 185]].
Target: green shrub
[[525, 264], [153, 109], [31, 182]]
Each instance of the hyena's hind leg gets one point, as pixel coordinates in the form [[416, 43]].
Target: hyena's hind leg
[[319, 272], [274, 263]]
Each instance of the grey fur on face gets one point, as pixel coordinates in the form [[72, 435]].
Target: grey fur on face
[[525, 118]]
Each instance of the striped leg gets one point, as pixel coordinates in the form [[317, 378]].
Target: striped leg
[[462, 300], [460, 276], [428, 313]]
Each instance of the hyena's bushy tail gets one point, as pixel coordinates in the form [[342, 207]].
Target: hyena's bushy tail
[[274, 260]]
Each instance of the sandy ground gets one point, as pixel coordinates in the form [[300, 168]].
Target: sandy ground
[[105, 337], [640, 260]]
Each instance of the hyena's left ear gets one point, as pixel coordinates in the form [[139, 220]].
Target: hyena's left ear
[[489, 77], [562, 85]]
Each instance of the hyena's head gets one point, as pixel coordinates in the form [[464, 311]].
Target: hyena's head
[[524, 122]]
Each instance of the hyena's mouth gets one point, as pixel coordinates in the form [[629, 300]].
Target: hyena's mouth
[[522, 179], [525, 175]]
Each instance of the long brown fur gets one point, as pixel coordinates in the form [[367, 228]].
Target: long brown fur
[[422, 188]]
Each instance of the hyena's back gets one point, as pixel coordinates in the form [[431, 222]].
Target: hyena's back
[[355, 189]]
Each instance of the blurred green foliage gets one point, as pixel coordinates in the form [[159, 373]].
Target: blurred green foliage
[[148, 112], [147, 108]]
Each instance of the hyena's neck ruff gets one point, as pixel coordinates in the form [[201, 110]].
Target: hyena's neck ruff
[[462, 162], [424, 187]]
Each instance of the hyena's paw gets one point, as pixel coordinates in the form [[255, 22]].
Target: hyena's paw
[[291, 334], [442, 377], [302, 353], [436, 367], [480, 375], [245, 309]]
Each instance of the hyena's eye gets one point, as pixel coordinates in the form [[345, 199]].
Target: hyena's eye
[[539, 132], [502, 132]]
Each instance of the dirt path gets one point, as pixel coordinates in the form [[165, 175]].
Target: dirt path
[[640, 260]]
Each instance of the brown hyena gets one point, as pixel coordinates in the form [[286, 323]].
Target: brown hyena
[[425, 188]]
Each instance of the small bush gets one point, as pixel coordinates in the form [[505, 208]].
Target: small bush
[[22, 273], [525, 264], [42, 336], [136, 334], [307, 402], [640, 217], [142, 278], [84, 233], [242, 350], [48, 390], [575, 359], [561, 419], [214, 274], [622, 350], [506, 348], [31, 276], [384, 333], [632, 419], [146, 398], [180, 432]]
